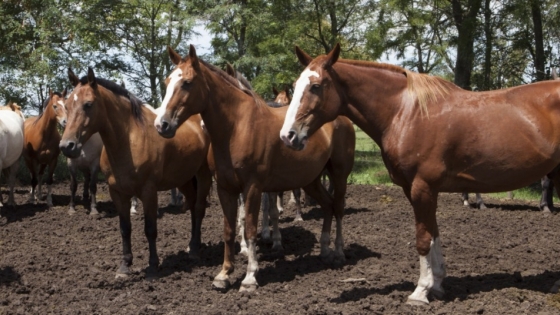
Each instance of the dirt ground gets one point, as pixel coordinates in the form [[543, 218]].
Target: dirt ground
[[502, 260]]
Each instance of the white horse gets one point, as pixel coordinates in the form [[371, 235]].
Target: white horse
[[11, 144]]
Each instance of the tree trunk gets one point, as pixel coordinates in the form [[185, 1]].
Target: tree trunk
[[466, 23], [488, 49], [539, 45]]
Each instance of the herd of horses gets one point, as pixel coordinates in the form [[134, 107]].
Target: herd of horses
[[212, 126]]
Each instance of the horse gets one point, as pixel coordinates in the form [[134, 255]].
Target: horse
[[423, 126], [40, 149], [249, 158], [135, 160], [11, 144]]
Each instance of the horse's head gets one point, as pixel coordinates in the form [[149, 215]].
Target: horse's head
[[82, 107], [282, 97], [185, 86], [54, 107], [315, 100], [14, 107]]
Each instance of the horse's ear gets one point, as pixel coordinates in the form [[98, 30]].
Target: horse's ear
[[287, 90], [275, 91], [332, 57], [50, 93], [193, 56], [554, 74], [91, 78], [64, 93], [73, 78], [175, 57], [230, 70], [304, 58]]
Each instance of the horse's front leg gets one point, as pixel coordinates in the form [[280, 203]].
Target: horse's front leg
[[12, 183], [252, 207], [150, 205], [93, 189], [228, 200], [52, 167], [73, 187], [122, 203], [432, 266]]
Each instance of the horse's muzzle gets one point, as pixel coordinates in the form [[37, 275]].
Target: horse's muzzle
[[295, 141], [70, 148], [165, 128]]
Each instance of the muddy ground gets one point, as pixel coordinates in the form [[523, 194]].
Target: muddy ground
[[502, 260]]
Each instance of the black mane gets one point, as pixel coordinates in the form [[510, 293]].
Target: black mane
[[135, 102]]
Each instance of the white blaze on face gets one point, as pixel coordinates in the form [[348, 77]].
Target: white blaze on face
[[302, 82], [174, 78]]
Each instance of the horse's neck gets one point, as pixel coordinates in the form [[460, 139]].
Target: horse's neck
[[228, 108], [116, 126], [46, 126], [375, 100]]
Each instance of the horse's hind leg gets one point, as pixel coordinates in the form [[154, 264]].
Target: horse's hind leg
[[31, 165], [93, 189], [122, 204], [479, 203], [465, 199], [241, 224], [176, 197], [39, 191], [271, 211], [319, 193], [150, 205], [546, 204], [267, 199], [296, 193], [280, 202], [252, 206]]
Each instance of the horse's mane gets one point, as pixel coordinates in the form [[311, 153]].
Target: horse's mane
[[135, 102], [234, 82], [426, 88], [45, 103], [275, 104]]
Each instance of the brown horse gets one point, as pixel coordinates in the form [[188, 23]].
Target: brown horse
[[249, 157], [40, 148], [429, 143], [136, 161]]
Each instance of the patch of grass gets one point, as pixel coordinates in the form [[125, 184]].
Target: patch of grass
[[368, 164]]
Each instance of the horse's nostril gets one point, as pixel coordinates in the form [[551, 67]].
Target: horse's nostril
[[70, 145], [164, 125], [291, 135]]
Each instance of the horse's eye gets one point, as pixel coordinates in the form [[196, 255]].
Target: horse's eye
[[315, 86], [54, 107], [185, 85], [87, 105]]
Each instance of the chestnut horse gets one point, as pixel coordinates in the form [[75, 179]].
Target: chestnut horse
[[136, 161], [11, 145], [40, 148], [250, 159], [429, 143]]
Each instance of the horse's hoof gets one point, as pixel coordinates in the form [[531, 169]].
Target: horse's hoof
[[546, 210], [94, 212], [71, 211], [152, 273], [278, 248], [248, 287], [243, 251], [121, 275], [437, 294], [417, 302], [221, 285], [482, 206], [298, 218]]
